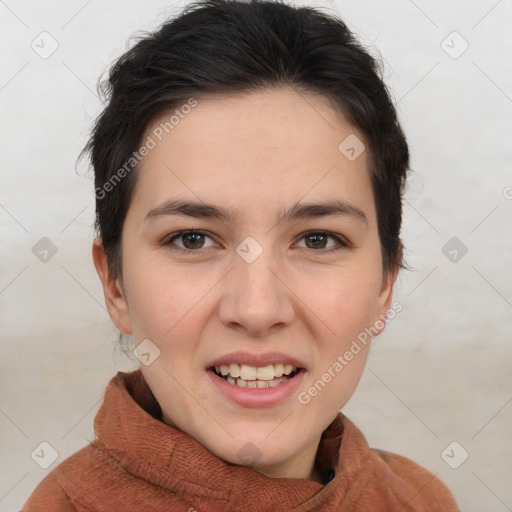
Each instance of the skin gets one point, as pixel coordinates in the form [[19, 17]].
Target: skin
[[256, 154]]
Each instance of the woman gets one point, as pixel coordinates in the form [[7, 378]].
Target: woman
[[249, 168]]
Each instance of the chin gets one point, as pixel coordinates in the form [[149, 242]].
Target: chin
[[256, 451]]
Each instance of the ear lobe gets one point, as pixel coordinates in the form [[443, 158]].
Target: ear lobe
[[114, 297]]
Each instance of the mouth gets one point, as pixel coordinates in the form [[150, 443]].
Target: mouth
[[256, 380], [256, 377]]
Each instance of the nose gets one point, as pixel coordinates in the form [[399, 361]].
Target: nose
[[256, 300]]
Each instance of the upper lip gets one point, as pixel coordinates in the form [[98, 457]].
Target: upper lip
[[256, 360]]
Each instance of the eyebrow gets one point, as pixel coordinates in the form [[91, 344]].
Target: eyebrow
[[298, 211], [314, 210]]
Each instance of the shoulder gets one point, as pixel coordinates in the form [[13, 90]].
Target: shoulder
[[380, 480], [48, 495], [412, 484], [62, 489]]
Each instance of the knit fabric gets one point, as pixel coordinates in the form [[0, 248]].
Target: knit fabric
[[137, 463]]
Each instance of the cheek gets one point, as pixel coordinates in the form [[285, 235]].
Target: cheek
[[345, 308], [167, 304], [158, 299], [344, 301]]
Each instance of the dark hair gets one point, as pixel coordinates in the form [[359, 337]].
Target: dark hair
[[228, 47]]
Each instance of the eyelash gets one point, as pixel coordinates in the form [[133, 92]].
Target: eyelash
[[342, 242]]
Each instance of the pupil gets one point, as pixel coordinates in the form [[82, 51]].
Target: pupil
[[318, 241], [193, 240]]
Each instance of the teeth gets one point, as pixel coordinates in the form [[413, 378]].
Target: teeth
[[255, 377], [278, 370], [287, 369], [234, 370], [265, 373], [248, 372]]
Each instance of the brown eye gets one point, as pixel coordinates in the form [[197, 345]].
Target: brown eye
[[323, 241], [316, 241], [190, 240]]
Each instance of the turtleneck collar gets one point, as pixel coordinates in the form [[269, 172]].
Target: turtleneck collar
[[129, 424]]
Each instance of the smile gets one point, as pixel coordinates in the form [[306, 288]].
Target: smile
[[256, 380], [246, 376]]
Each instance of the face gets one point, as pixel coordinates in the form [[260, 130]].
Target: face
[[250, 248]]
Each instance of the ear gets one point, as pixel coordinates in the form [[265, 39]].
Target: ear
[[384, 300], [112, 289]]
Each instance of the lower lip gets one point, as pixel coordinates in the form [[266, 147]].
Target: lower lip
[[257, 397]]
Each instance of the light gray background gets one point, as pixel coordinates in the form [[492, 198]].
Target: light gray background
[[440, 373]]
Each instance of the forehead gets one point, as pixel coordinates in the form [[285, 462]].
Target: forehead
[[274, 143]]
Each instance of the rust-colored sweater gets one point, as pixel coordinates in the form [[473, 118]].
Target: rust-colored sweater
[[137, 463]]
